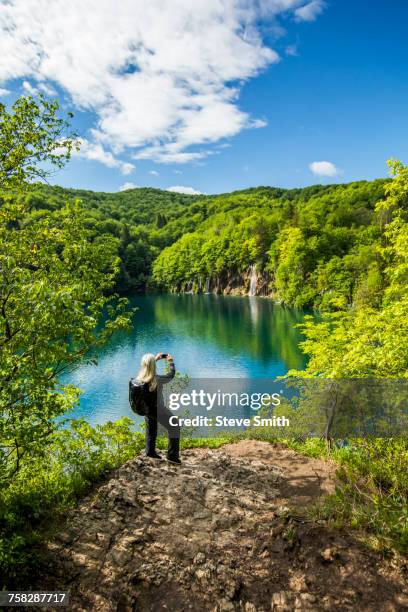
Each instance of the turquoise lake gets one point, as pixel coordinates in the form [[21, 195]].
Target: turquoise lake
[[209, 336]]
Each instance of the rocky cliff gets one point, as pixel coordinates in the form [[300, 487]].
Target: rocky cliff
[[251, 282]]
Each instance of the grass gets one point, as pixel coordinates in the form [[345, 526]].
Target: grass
[[371, 492]]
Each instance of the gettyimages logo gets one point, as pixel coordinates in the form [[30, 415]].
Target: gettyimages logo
[[207, 400]]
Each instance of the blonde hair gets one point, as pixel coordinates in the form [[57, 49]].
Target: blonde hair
[[147, 372]]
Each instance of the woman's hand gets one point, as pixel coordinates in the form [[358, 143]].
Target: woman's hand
[[163, 356]]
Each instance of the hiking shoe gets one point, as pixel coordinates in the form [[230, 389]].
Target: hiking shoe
[[178, 461], [154, 455]]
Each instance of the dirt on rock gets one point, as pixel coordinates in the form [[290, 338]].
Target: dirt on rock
[[224, 531], [303, 480]]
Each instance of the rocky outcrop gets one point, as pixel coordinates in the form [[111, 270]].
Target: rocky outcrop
[[252, 282], [214, 534]]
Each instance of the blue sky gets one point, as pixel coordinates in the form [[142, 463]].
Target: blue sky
[[215, 96]]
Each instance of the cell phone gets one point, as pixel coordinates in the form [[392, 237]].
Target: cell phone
[[164, 355]]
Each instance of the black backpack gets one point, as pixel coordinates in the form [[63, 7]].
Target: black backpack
[[137, 399]]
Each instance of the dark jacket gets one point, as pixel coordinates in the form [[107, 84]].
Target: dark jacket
[[154, 399]]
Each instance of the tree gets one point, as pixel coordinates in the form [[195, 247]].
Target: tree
[[55, 275], [160, 220], [33, 139], [366, 342]]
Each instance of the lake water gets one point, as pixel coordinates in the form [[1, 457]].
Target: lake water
[[209, 336]]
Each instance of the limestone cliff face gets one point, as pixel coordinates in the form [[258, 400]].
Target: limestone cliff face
[[252, 282]]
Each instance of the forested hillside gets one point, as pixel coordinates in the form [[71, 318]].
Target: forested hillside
[[310, 247], [306, 247], [139, 223]]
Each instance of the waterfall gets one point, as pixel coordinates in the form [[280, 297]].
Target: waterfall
[[207, 284], [253, 280], [199, 285]]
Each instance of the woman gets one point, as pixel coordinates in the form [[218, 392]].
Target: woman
[[157, 412]]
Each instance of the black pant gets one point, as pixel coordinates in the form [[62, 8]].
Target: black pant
[[162, 415]]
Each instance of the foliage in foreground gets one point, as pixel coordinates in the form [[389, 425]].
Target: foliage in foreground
[[55, 276], [53, 282], [372, 491], [33, 139]]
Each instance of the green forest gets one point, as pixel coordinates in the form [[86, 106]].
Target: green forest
[[68, 258], [312, 247]]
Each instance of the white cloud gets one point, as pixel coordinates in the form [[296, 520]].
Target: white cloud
[[310, 11], [125, 167], [127, 186], [169, 154], [292, 50], [157, 75], [258, 123], [96, 152], [324, 169], [29, 89], [183, 189], [47, 89], [41, 87], [153, 172], [4, 92]]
